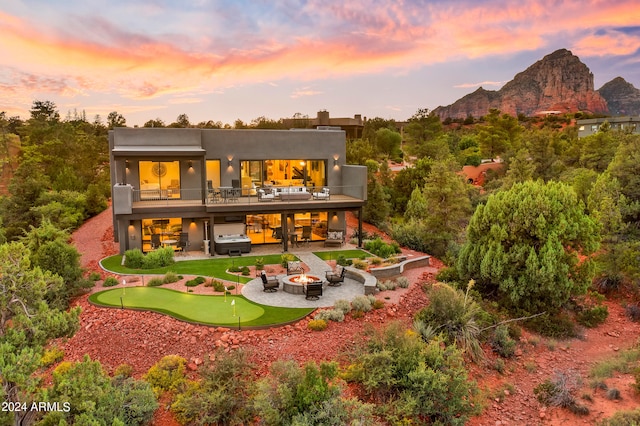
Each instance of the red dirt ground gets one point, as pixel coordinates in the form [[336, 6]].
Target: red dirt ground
[[140, 339]]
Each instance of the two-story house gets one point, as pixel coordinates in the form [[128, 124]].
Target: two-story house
[[205, 185]]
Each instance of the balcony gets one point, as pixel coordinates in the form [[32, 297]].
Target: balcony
[[128, 200]]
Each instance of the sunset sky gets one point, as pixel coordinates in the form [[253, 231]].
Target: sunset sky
[[224, 60]]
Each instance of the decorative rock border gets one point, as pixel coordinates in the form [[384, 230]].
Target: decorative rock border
[[398, 268], [368, 280]]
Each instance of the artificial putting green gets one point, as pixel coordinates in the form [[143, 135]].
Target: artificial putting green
[[198, 308]]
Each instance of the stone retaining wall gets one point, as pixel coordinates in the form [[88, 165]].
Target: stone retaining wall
[[398, 268], [368, 281]]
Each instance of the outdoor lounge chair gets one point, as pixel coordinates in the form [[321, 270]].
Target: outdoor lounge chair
[[334, 237], [313, 290], [322, 195], [336, 278], [270, 284], [294, 267], [183, 242], [263, 196]]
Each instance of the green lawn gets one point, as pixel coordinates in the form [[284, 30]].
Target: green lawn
[[348, 254], [203, 309], [206, 267]]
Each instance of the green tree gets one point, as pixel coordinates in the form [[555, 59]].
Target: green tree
[[501, 133], [27, 323], [94, 398], [520, 169], [388, 143], [359, 151], [523, 246], [377, 209], [221, 396], [625, 167], [114, 119]]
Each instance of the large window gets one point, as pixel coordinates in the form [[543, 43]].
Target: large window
[[158, 232], [159, 179], [284, 172], [267, 228]]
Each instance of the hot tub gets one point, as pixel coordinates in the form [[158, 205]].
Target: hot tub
[[232, 242]]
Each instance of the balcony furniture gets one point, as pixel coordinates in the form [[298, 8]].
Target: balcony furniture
[[269, 284], [293, 193], [264, 196], [213, 195], [313, 290], [294, 267], [150, 191], [306, 234], [334, 237], [229, 193], [224, 244], [324, 194], [336, 278], [155, 241]]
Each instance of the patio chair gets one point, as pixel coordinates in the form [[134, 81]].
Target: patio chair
[[263, 196], [277, 233], [336, 278], [155, 241], [183, 242], [269, 284], [322, 195], [213, 196], [294, 267], [313, 290], [306, 234]]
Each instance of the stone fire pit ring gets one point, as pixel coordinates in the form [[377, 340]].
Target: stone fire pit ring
[[291, 283]]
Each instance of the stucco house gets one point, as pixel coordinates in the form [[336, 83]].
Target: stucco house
[[215, 190]]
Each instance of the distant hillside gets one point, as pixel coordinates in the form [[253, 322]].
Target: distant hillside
[[557, 82], [622, 98]]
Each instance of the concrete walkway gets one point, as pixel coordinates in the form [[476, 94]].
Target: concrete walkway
[[253, 290]]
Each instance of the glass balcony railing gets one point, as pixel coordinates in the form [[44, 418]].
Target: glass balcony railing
[[244, 196]]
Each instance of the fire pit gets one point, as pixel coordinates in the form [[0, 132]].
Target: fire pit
[[294, 284]]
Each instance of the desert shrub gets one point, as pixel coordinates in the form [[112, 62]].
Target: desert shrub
[[217, 285], [592, 317], [286, 258], [403, 282], [52, 355], [448, 275], [360, 264], [167, 374], [159, 258], [622, 418], [407, 378], [357, 314], [231, 287], [454, 314], [171, 277], [502, 343], [343, 261], [375, 261], [110, 282], [134, 258], [556, 326], [95, 276], [342, 305], [382, 249], [123, 370], [558, 392], [317, 324], [608, 282], [290, 392], [378, 304], [155, 282], [330, 315], [234, 269], [361, 303], [221, 396], [245, 271], [195, 282], [260, 263], [499, 365], [613, 394], [633, 312]]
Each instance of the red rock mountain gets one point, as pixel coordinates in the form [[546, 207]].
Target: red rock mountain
[[622, 98], [557, 82]]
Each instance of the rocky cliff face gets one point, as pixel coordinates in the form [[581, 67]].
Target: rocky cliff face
[[622, 98], [557, 82]]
